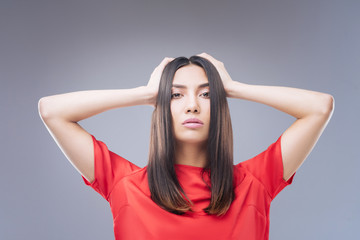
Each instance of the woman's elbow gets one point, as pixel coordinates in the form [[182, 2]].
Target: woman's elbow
[[328, 105], [43, 108]]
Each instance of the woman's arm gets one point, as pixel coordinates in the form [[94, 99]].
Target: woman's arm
[[313, 111], [76, 106], [60, 114]]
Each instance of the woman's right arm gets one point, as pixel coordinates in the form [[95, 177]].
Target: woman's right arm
[[61, 114]]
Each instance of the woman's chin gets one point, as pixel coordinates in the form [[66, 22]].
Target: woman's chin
[[192, 141]]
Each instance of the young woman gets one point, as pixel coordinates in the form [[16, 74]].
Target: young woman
[[190, 188]]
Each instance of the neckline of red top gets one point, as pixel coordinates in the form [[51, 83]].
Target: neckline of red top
[[177, 165]]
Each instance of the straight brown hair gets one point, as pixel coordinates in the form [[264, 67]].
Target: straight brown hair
[[164, 186]]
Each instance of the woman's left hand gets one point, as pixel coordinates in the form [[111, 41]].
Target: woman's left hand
[[225, 77]]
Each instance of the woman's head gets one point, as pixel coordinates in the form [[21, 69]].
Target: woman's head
[[200, 95], [191, 88], [190, 106]]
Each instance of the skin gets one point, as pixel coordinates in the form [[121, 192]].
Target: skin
[[190, 99], [61, 114]]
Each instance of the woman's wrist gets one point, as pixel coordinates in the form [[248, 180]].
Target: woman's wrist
[[149, 94], [234, 89]]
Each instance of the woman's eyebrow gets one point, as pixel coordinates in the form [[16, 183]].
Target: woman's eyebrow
[[183, 86]]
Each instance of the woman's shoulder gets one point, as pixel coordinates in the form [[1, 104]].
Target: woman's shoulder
[[239, 173]]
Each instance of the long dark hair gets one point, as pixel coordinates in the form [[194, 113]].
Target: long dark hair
[[164, 186]]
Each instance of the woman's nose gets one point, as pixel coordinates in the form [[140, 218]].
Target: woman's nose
[[195, 110], [192, 105]]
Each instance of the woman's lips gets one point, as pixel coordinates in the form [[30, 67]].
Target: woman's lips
[[193, 123]]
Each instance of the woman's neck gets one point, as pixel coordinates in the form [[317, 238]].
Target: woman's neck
[[191, 154]]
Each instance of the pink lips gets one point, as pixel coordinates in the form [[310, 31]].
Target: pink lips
[[193, 123]]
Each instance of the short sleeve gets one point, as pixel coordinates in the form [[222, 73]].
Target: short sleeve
[[268, 168], [109, 169]]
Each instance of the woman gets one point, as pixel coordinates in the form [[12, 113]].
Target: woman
[[190, 188]]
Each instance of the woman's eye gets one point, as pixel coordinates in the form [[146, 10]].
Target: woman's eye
[[175, 95], [206, 94]]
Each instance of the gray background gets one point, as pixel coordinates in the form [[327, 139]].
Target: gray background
[[51, 47]]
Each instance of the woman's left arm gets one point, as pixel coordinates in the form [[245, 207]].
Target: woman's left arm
[[311, 109]]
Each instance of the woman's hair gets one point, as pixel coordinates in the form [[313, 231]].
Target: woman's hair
[[164, 186]]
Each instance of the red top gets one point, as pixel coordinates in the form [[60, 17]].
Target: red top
[[124, 185]]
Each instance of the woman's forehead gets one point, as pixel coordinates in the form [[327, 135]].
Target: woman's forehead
[[190, 75]]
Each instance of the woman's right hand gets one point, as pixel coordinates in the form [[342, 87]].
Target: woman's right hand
[[153, 84]]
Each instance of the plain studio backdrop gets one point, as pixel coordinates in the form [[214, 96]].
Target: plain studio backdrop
[[52, 47]]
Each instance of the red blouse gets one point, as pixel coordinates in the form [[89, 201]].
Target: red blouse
[[124, 185]]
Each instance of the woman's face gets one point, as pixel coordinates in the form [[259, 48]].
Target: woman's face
[[190, 105]]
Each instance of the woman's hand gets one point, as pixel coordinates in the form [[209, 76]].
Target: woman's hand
[[153, 84], [225, 77]]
